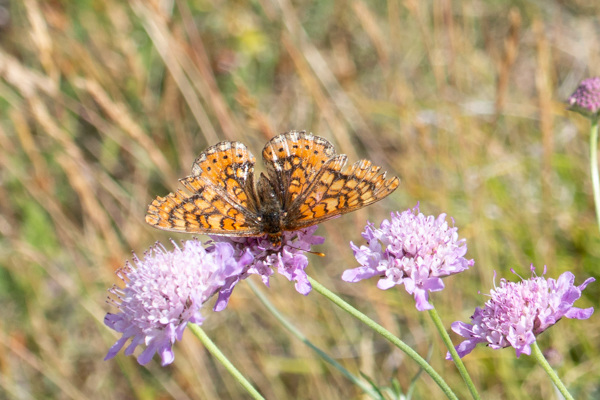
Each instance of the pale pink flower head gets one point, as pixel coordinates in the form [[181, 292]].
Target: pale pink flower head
[[288, 260], [586, 98], [413, 250], [164, 291], [519, 311]]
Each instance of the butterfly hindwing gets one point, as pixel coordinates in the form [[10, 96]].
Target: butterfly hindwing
[[220, 197], [293, 160], [229, 167]]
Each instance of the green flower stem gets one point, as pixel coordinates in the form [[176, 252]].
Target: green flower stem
[[288, 325], [214, 350], [594, 165], [386, 334], [537, 354], [457, 360]]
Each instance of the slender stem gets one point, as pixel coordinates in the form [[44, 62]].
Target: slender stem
[[437, 321], [288, 325], [386, 334], [594, 165], [214, 350], [537, 354]]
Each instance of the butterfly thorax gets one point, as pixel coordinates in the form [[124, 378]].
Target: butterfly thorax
[[270, 210]]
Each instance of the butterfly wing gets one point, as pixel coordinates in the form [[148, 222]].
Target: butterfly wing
[[336, 191], [220, 197], [293, 161]]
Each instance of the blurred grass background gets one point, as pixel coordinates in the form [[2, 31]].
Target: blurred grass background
[[105, 104]]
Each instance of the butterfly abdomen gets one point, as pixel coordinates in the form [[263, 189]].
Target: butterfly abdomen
[[270, 210]]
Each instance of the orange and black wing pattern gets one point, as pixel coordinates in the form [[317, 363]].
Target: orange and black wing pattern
[[293, 161], [307, 184], [219, 198], [337, 190]]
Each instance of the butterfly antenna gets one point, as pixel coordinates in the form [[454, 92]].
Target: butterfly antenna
[[316, 253]]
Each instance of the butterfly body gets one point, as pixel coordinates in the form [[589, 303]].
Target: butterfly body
[[305, 183], [271, 213]]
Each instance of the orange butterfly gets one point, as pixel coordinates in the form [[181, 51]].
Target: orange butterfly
[[306, 183]]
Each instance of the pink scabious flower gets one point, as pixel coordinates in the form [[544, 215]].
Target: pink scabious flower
[[586, 99], [519, 311], [412, 250], [164, 291], [289, 260]]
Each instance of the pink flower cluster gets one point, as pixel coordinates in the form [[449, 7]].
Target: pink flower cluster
[[412, 250], [519, 311], [586, 98], [166, 289]]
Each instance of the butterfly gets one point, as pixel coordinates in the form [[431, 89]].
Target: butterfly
[[305, 184]]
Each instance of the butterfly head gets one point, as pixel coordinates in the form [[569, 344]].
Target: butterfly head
[[275, 239]]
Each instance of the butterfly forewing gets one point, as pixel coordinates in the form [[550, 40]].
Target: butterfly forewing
[[337, 191]]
